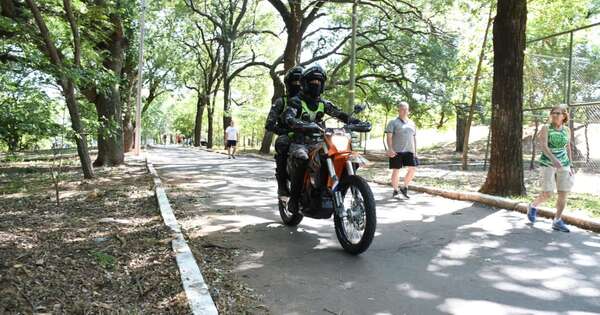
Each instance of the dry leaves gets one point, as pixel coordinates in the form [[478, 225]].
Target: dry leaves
[[104, 250]]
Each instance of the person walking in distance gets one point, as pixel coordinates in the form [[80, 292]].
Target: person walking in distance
[[231, 136], [401, 139], [556, 172]]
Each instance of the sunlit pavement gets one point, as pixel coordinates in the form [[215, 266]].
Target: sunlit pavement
[[430, 256]]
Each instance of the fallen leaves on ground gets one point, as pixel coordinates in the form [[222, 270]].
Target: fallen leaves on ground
[[105, 249]]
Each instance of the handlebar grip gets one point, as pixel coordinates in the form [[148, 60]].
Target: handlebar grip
[[360, 127]]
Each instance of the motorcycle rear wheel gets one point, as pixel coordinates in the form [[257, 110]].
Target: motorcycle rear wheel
[[288, 218], [359, 212]]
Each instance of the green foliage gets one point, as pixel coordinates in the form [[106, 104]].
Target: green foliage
[[183, 117], [547, 60], [427, 56], [412, 62], [546, 17], [156, 121], [26, 114]]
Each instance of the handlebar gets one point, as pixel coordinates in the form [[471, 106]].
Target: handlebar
[[359, 127]]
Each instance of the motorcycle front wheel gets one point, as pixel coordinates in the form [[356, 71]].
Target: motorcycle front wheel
[[356, 228]]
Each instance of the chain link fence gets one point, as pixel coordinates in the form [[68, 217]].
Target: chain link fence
[[564, 68]]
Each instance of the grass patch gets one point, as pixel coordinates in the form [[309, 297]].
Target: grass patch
[[452, 184], [105, 260], [34, 176], [580, 201], [586, 202], [575, 201]]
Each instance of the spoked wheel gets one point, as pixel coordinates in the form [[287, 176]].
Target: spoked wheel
[[356, 228], [288, 218]]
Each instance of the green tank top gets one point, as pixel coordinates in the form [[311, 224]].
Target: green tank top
[[558, 139]]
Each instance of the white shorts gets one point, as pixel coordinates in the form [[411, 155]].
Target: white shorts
[[556, 179]]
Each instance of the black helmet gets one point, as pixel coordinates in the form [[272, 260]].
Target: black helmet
[[314, 73], [294, 74]]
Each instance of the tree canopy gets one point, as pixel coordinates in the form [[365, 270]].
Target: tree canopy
[[209, 59]]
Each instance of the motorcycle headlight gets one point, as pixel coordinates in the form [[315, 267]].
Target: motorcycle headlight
[[341, 143]]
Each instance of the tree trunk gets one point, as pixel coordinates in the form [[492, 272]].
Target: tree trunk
[[294, 36], [68, 90], [211, 116], [442, 121], [128, 108], [108, 102], [226, 85], [467, 130], [209, 132], [587, 143], [13, 145], [200, 105], [128, 134], [291, 56], [460, 128], [110, 132], [505, 176], [77, 126], [129, 74]]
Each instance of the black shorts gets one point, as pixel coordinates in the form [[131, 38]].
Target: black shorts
[[231, 143], [403, 159]]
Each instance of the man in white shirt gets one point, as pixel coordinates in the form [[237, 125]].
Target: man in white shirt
[[402, 148], [231, 136]]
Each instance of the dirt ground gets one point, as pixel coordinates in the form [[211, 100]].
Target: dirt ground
[[104, 249]]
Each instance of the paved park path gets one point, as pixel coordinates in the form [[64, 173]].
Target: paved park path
[[430, 255]]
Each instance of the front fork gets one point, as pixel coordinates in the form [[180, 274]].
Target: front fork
[[337, 195]]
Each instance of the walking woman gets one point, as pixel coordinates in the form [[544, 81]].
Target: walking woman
[[555, 161]]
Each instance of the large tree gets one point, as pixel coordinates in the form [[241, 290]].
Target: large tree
[[106, 94], [505, 175], [379, 21], [200, 72], [238, 25], [296, 20], [61, 53]]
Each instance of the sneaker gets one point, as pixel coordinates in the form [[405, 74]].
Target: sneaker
[[531, 213], [404, 192], [395, 194], [233, 156], [559, 225], [229, 157]]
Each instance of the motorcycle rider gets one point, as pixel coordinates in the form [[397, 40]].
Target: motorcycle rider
[[302, 114], [276, 125]]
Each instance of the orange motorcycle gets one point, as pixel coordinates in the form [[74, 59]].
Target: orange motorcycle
[[331, 187]]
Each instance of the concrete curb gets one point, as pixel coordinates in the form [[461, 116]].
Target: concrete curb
[[505, 203], [489, 200], [196, 290]]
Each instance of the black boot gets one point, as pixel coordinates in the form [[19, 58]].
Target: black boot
[[281, 175], [296, 180], [282, 186], [293, 205]]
